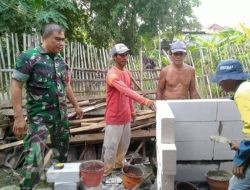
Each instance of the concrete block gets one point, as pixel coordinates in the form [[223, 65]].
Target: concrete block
[[194, 150], [159, 156], [227, 110], [70, 173], [65, 186], [232, 130], [195, 131], [222, 151], [194, 110], [163, 111], [194, 172], [167, 131], [227, 165], [165, 182], [168, 159]]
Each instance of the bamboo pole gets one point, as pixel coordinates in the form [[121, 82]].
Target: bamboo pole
[[8, 78], [141, 70], [24, 42], [17, 45], [2, 65], [13, 48]]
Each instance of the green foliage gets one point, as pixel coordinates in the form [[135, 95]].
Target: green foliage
[[29, 15], [126, 21], [100, 23]]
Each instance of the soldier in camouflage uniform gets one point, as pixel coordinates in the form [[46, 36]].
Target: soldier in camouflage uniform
[[47, 81]]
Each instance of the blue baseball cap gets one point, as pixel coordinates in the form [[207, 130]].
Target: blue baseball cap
[[230, 69], [178, 46]]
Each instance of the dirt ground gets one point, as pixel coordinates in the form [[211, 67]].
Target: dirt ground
[[7, 177]]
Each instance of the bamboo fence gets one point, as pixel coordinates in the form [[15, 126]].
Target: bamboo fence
[[89, 66]]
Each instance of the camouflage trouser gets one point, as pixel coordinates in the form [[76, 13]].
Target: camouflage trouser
[[35, 146]]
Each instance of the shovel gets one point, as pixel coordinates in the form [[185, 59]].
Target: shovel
[[221, 139]]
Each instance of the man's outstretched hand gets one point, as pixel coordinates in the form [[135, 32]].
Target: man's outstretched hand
[[151, 105], [79, 113], [19, 127]]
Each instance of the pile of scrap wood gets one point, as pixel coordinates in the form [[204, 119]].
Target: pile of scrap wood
[[88, 130]]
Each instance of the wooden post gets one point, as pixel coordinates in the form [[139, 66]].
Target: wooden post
[[141, 70]]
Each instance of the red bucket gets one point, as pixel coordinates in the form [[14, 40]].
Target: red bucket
[[132, 175], [91, 172]]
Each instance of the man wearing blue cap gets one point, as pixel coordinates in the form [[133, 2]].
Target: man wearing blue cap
[[177, 80], [231, 78]]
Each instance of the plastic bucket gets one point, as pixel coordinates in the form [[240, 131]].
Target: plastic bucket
[[132, 175], [218, 179], [185, 186], [91, 172]]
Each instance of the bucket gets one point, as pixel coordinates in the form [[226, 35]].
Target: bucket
[[91, 172], [132, 175], [185, 186], [218, 179]]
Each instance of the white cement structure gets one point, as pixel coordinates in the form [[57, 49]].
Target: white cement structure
[[66, 178], [183, 130]]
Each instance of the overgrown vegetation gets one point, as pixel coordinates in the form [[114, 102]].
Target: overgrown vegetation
[[101, 23]]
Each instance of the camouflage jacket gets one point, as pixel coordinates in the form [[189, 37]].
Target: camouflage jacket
[[45, 78]]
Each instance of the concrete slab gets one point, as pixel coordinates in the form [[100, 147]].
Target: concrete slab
[[227, 110], [195, 131], [194, 110], [194, 150], [70, 173], [65, 186], [193, 172]]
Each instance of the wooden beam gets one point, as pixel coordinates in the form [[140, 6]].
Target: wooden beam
[[89, 108], [92, 127], [98, 137], [90, 120], [147, 116], [47, 158], [10, 145], [142, 126]]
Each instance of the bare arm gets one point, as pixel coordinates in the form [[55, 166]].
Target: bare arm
[[192, 89], [123, 88], [239, 171], [16, 98], [73, 101], [161, 85]]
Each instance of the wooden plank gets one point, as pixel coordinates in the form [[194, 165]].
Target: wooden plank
[[142, 126], [10, 145], [89, 108], [80, 103], [2, 126], [90, 120], [147, 116], [2, 133], [98, 137], [10, 112], [143, 112], [93, 127], [47, 158], [136, 151]]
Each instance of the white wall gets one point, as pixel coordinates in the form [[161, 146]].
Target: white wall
[[194, 122]]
